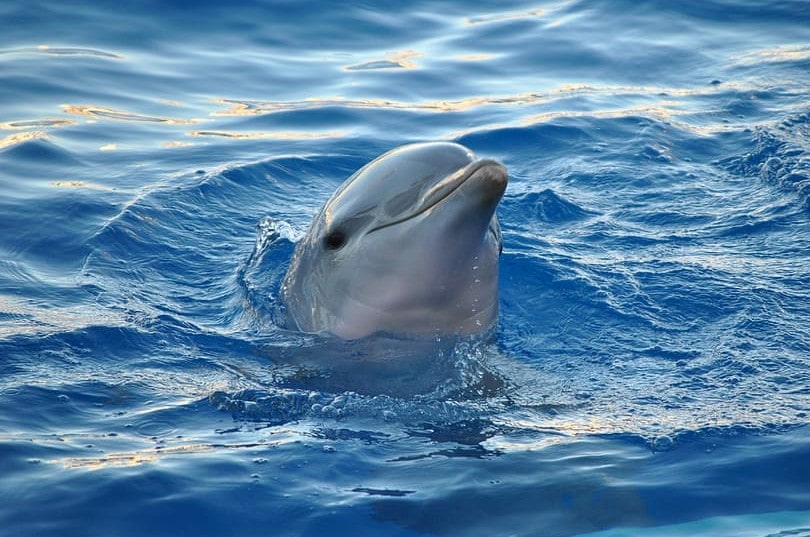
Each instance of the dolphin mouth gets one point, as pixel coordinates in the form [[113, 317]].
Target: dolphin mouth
[[491, 174]]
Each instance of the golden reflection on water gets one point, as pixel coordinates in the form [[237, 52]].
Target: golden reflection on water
[[402, 59], [250, 107], [657, 112], [475, 57], [662, 103], [247, 108], [119, 115], [784, 53], [269, 134], [62, 51], [154, 454], [14, 139], [79, 184], [36, 123], [171, 102], [559, 430]]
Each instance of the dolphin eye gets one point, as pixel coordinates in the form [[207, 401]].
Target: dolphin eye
[[335, 240]]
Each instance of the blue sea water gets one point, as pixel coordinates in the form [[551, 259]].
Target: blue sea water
[[158, 161]]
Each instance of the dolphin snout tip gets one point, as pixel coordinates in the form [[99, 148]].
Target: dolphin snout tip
[[493, 176]]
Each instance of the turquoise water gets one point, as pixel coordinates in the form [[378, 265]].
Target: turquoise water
[[648, 375]]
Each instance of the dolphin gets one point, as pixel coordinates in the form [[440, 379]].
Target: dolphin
[[408, 245]]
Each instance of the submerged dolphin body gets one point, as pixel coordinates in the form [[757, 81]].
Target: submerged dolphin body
[[409, 244]]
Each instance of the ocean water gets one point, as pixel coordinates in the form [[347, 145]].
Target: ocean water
[[649, 372]]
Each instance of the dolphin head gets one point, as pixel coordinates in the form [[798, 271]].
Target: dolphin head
[[409, 244]]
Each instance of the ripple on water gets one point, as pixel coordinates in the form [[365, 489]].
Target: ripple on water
[[154, 428], [62, 51]]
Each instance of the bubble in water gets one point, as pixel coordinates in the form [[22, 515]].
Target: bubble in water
[[662, 443]]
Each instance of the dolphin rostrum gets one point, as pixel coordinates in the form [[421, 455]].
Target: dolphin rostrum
[[409, 244]]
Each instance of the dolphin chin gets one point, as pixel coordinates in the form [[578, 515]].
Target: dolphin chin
[[409, 244]]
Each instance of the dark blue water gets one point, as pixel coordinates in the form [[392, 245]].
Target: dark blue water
[[157, 162]]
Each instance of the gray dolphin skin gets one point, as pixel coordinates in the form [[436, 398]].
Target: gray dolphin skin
[[409, 244]]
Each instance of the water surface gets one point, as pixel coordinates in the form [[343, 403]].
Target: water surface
[[158, 162]]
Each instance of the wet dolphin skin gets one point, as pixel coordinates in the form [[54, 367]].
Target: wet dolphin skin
[[408, 244]]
